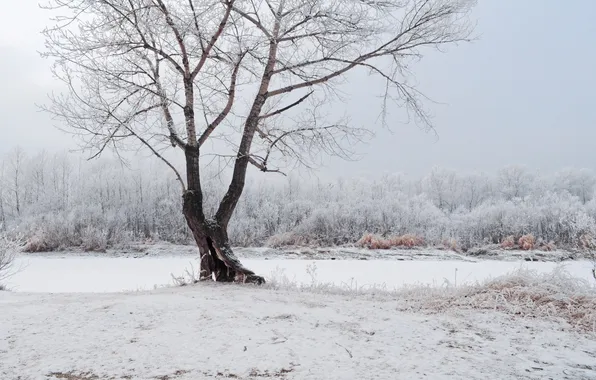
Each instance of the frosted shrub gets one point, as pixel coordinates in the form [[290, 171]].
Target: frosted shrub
[[451, 244], [289, 239], [8, 251], [42, 241], [587, 241], [93, 239]]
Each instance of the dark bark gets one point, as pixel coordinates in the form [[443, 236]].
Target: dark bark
[[230, 200], [218, 261], [232, 196]]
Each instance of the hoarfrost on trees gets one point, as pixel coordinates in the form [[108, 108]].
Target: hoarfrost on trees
[[94, 204]]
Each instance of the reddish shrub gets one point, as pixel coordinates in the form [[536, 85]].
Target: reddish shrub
[[527, 242], [508, 242], [410, 240]]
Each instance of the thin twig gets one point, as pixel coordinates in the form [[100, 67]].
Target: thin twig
[[348, 351]]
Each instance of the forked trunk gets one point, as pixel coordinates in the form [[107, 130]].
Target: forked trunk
[[218, 261]]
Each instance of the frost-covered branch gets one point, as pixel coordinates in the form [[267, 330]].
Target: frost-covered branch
[[8, 251]]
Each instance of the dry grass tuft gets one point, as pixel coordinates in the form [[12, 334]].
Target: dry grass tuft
[[451, 244], [548, 247], [289, 239], [39, 242], [586, 241], [372, 241], [524, 293], [555, 294], [172, 376], [73, 375]]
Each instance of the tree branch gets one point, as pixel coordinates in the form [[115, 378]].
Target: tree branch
[[281, 110], [178, 35], [253, 21], [214, 38], [263, 167], [224, 113], [153, 150]]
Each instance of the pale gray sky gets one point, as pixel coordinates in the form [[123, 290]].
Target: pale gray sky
[[522, 94]]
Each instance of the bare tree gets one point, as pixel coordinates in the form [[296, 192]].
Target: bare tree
[[2, 196], [475, 189], [37, 173], [579, 182], [443, 185], [17, 157], [515, 181], [168, 73]]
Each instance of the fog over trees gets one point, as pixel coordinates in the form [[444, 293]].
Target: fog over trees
[[57, 200]]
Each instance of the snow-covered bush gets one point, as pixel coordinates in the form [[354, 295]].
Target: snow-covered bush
[[8, 250], [94, 239]]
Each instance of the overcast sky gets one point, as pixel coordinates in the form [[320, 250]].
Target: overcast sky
[[522, 94]]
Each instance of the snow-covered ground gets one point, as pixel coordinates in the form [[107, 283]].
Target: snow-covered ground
[[541, 329], [234, 332], [67, 273]]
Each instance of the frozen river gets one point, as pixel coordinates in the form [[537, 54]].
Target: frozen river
[[104, 274]]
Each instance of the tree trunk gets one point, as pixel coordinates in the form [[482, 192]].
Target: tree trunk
[[218, 261]]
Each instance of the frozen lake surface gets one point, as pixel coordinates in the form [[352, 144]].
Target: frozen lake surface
[[84, 274]]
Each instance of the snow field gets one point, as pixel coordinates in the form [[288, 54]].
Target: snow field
[[526, 325], [220, 332]]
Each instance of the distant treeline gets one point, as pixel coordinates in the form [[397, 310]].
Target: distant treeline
[[55, 201]]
